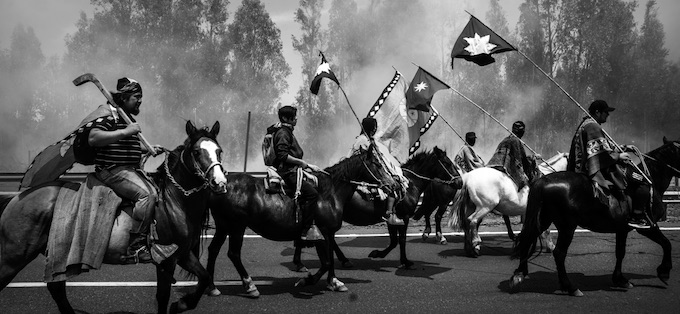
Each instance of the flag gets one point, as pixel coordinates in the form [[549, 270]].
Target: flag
[[422, 89], [324, 70], [477, 43], [418, 123], [57, 158], [392, 129]]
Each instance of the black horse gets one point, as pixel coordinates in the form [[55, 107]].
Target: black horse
[[567, 200], [183, 180], [432, 173], [273, 216]]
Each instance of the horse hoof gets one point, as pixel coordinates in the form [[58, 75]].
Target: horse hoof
[[576, 293], [347, 264], [213, 292], [300, 283], [624, 284], [301, 269], [178, 307], [424, 236], [407, 265], [337, 286], [253, 294], [443, 241], [374, 254], [515, 282]]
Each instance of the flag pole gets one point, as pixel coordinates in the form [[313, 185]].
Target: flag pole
[[584, 110], [351, 108], [501, 124]]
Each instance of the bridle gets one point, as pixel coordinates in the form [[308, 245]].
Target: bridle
[[197, 171]]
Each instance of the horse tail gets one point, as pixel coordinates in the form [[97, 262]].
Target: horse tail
[[525, 244], [458, 211]]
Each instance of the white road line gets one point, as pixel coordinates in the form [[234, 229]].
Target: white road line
[[368, 235], [132, 284]]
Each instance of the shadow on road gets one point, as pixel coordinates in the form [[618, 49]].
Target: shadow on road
[[547, 283]]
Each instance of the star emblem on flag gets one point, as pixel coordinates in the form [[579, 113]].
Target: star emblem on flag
[[479, 44], [420, 87], [323, 68]]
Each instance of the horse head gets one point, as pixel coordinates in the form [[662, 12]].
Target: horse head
[[202, 155], [374, 168]]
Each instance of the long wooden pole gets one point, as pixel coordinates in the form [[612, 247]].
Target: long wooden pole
[[245, 160]]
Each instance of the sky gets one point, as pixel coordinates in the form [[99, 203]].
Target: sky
[[52, 20]]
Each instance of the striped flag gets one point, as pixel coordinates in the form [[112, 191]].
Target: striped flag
[[418, 123], [392, 129]]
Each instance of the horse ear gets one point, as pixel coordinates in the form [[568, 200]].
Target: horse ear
[[215, 128], [665, 140], [190, 128]]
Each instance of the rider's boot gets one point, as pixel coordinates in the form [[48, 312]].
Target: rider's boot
[[390, 217], [138, 251]]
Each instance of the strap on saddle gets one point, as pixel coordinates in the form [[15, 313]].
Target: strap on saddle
[[273, 183]]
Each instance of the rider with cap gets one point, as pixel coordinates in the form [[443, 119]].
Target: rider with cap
[[466, 158], [512, 158], [592, 153], [118, 153], [369, 126]]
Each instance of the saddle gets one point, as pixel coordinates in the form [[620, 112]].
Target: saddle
[[274, 183]]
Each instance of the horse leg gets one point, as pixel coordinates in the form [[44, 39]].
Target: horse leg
[[405, 263], [191, 264], [438, 224], [564, 239], [214, 250], [508, 225], [164, 286], [58, 291], [234, 254], [346, 263], [663, 271], [394, 239], [334, 284], [428, 227], [617, 277], [297, 258], [322, 250], [475, 221]]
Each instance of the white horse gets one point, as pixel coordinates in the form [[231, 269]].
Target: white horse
[[487, 189]]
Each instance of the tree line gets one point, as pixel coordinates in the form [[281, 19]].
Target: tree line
[[199, 60]]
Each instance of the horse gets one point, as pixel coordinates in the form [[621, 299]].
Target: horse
[[273, 215], [430, 172], [555, 163], [566, 199], [485, 190], [25, 219]]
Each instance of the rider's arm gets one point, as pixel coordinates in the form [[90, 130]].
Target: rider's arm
[[99, 137]]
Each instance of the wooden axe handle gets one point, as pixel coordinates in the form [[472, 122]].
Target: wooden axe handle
[[121, 112]]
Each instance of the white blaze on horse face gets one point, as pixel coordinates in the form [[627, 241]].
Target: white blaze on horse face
[[211, 148]]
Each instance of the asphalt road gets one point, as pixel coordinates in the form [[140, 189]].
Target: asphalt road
[[443, 281]]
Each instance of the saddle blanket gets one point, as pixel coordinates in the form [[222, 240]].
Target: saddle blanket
[[81, 228]]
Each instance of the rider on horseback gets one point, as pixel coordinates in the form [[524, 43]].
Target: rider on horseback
[[466, 158], [118, 154], [511, 157], [288, 160], [363, 141], [592, 154]]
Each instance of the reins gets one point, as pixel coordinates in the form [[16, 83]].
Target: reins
[[438, 180], [677, 172]]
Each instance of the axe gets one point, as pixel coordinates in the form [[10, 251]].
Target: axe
[[89, 77]]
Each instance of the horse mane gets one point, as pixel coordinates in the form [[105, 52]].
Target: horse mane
[[423, 159], [339, 171]]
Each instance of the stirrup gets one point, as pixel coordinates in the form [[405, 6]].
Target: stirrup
[[160, 252]]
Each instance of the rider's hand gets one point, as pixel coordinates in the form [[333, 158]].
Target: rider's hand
[[132, 129], [313, 167], [624, 157], [157, 150]]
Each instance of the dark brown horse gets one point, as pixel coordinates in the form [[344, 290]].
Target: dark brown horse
[[566, 199], [432, 173], [247, 204], [183, 180]]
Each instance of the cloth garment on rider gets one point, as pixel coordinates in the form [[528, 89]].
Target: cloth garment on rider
[[467, 159], [117, 165], [592, 153], [511, 156], [289, 156], [362, 142]]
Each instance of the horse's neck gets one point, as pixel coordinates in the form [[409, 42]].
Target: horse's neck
[[659, 175]]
